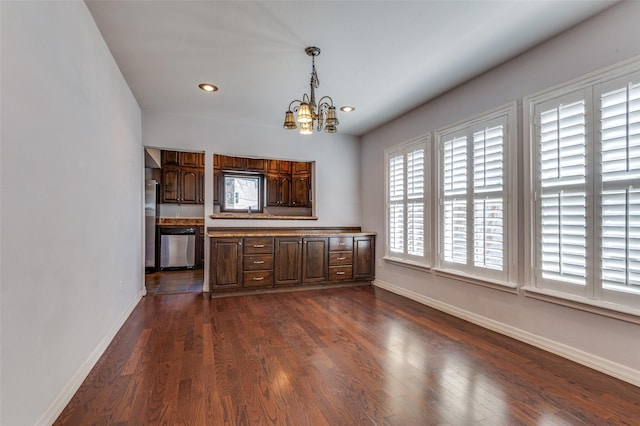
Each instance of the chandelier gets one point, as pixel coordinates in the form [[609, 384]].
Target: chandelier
[[322, 114]]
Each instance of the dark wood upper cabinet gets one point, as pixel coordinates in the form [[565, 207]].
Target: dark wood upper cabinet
[[300, 168], [255, 165], [170, 158], [232, 163], [170, 191], [182, 177], [191, 159], [300, 191], [190, 180], [288, 183], [278, 190]]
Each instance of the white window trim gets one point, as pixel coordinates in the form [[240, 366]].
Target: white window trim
[[530, 289], [411, 261], [510, 199]]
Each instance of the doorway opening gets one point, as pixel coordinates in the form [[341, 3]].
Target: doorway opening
[[174, 221]]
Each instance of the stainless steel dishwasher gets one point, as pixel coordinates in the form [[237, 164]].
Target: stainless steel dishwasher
[[177, 247]]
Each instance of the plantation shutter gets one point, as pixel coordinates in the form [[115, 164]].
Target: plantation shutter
[[620, 193], [562, 191], [415, 202], [454, 203], [488, 202], [396, 204]]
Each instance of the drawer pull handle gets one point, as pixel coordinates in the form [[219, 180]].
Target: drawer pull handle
[[340, 273], [258, 278], [258, 262], [340, 258], [258, 245], [343, 244]]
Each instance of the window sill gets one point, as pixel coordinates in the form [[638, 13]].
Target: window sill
[[407, 263], [471, 279], [259, 216], [606, 309]]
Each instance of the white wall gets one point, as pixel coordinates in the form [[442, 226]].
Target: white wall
[[611, 345], [71, 212], [336, 159]]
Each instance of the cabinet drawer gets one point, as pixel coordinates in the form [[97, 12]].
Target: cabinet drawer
[[340, 243], [338, 258], [258, 279], [258, 245], [257, 262], [338, 273]]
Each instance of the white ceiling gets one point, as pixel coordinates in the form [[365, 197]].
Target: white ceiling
[[383, 57]]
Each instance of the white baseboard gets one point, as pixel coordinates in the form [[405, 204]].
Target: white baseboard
[[603, 365], [72, 386]]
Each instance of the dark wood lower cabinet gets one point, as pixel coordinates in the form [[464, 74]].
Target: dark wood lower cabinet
[[225, 268], [364, 257], [288, 257], [315, 263], [288, 260]]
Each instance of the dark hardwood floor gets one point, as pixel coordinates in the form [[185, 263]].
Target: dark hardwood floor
[[345, 356], [178, 281]]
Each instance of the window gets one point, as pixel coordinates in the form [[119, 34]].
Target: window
[[586, 186], [405, 196], [476, 222], [242, 192]]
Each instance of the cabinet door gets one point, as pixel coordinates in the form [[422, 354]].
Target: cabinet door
[[288, 260], [170, 185], [232, 163], [255, 165], [300, 192], [300, 168], [363, 258], [278, 190], [272, 166], [273, 190], [284, 166], [225, 263], [190, 190], [190, 159], [170, 158], [285, 190], [315, 263]]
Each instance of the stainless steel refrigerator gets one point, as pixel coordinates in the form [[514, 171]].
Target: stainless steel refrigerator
[[150, 211]]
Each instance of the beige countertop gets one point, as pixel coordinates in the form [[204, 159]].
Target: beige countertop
[[180, 221], [280, 232]]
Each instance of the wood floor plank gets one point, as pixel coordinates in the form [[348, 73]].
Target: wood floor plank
[[354, 355]]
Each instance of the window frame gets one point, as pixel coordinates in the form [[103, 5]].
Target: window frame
[[507, 278], [421, 262], [261, 183], [593, 297]]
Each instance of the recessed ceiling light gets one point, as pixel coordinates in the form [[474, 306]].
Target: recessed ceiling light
[[347, 108], [208, 87]]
